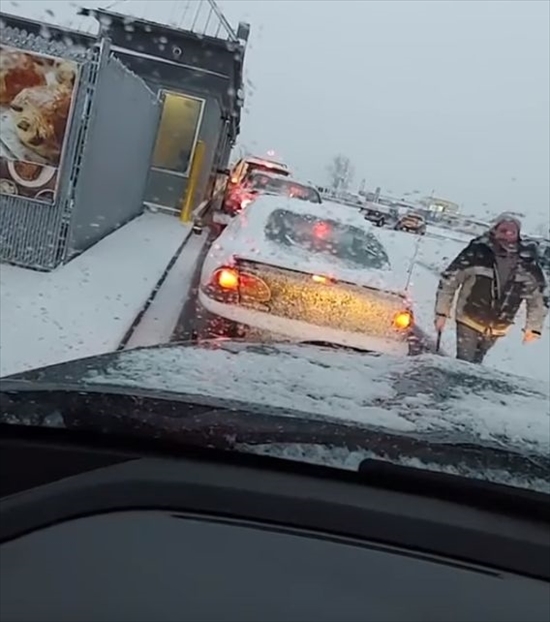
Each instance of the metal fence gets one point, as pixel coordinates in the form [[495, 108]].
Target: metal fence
[[33, 234], [105, 160], [116, 157]]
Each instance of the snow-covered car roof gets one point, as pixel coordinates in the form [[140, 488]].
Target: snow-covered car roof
[[245, 238], [268, 163], [428, 397], [413, 215]]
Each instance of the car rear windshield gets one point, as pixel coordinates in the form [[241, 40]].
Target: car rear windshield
[[273, 169], [351, 245], [284, 187]]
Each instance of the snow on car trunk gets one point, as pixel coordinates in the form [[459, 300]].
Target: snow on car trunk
[[313, 264]]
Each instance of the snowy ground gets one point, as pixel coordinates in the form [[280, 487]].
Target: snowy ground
[[160, 320], [86, 307], [509, 354]]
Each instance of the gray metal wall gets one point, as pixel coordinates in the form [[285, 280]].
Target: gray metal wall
[[35, 234], [116, 156], [163, 188]]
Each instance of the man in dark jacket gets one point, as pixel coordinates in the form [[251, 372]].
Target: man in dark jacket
[[493, 275]]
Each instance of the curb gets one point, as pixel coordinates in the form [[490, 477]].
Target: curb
[[130, 331]]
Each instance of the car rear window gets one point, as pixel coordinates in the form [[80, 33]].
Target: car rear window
[[272, 169], [351, 245], [284, 187]]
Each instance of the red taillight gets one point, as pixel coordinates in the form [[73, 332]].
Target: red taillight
[[321, 229], [244, 285], [403, 320], [227, 278], [319, 278]]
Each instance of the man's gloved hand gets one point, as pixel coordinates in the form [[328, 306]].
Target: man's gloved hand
[[439, 323], [530, 335]]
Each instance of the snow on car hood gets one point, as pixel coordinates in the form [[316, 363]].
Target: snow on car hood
[[427, 396], [245, 238]]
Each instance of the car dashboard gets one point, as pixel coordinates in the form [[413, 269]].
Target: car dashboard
[[129, 534]]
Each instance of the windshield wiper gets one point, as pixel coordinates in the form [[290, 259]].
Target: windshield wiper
[[456, 488], [207, 422]]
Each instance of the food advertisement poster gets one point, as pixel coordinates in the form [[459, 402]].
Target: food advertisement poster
[[36, 101]]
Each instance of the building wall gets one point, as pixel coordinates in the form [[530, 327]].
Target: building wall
[[116, 156], [164, 188]]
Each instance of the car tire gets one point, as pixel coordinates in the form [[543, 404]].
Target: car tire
[[211, 326], [380, 223]]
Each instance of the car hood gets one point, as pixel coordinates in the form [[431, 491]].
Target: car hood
[[426, 396]]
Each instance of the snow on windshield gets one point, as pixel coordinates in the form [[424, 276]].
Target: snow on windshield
[[427, 395], [116, 158], [316, 234]]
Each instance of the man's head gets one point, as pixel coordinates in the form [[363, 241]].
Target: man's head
[[506, 231]]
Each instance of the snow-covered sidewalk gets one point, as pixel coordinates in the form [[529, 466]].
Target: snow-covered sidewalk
[[85, 307]]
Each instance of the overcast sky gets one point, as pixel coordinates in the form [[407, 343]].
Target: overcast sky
[[450, 96]]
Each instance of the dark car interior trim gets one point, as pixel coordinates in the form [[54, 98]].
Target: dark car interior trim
[[377, 505]]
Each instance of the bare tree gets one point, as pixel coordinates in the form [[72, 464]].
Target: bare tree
[[340, 172]]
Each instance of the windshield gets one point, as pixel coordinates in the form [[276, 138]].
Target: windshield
[[191, 211], [313, 234], [272, 185]]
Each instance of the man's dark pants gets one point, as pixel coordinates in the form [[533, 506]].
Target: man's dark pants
[[471, 345]]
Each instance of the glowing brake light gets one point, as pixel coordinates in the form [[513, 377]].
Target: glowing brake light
[[318, 278], [228, 278], [403, 320], [321, 229], [241, 286]]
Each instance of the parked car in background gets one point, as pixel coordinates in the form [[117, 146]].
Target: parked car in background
[[412, 222], [376, 213], [542, 246]]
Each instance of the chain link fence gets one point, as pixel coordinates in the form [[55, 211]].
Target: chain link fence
[[104, 162], [34, 234]]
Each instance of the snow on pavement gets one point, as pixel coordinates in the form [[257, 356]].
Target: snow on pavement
[[85, 307], [509, 354], [161, 318]]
